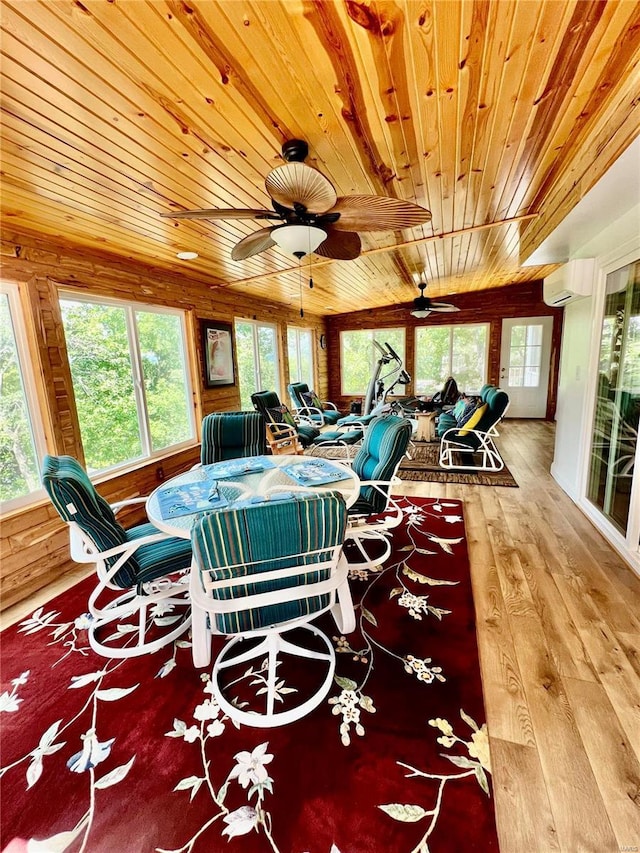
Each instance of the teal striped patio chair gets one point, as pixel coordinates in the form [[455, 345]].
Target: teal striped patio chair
[[376, 512], [232, 435], [260, 572], [148, 565]]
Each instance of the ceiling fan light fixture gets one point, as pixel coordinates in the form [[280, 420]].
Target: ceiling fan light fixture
[[298, 240], [420, 313]]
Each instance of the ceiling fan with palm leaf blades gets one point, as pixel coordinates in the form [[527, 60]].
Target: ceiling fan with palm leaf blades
[[308, 214], [423, 306]]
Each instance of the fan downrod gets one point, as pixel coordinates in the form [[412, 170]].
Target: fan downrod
[[295, 150]]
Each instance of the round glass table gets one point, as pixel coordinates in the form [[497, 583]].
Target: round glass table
[[174, 506]]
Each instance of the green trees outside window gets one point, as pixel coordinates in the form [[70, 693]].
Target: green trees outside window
[[257, 357], [130, 380], [300, 349], [19, 463], [358, 356], [458, 351]]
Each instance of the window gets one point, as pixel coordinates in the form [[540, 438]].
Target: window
[[21, 439], [359, 356], [130, 379], [525, 351], [258, 361], [458, 351], [300, 347]]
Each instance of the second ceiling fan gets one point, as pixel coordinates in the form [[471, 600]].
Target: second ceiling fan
[[423, 306], [308, 214]]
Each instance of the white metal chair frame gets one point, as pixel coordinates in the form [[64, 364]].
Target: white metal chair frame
[[168, 591], [490, 458], [205, 608], [361, 527], [307, 413]]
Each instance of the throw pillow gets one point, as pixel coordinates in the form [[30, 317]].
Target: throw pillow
[[468, 410], [307, 398], [281, 415], [474, 419]]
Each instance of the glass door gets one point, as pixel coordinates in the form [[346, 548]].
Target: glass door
[[614, 435]]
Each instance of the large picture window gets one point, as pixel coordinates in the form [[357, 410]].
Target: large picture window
[[258, 360], [359, 356], [458, 351], [300, 349], [21, 441], [129, 371]]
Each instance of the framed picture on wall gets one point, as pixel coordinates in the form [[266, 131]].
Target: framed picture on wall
[[217, 352]]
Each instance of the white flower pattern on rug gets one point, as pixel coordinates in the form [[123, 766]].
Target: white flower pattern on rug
[[250, 770]]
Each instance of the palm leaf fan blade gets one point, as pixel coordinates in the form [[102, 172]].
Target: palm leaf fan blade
[[298, 184], [340, 245], [253, 244], [377, 213], [221, 213]]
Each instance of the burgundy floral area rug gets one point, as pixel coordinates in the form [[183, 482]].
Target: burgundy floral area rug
[[103, 755]]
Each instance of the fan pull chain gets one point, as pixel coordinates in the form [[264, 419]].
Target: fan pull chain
[[310, 279], [300, 287]]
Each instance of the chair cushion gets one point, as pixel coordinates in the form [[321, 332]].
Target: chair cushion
[[268, 536], [360, 419], [307, 434], [231, 435], [329, 435], [385, 443], [157, 558], [76, 499]]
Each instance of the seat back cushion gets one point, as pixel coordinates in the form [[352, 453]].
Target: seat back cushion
[[263, 537], [263, 400], [297, 390], [231, 435], [385, 443], [75, 499]]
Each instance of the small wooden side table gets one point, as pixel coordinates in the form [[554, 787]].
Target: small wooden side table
[[426, 430]]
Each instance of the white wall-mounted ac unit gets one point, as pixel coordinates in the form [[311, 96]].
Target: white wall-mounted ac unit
[[573, 280]]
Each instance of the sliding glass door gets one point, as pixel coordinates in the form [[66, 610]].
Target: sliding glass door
[[614, 435]]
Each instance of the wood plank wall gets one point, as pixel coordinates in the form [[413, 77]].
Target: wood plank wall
[[34, 541], [489, 306]]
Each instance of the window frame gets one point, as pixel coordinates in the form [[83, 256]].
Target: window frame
[[130, 307], [449, 372], [12, 289], [375, 355]]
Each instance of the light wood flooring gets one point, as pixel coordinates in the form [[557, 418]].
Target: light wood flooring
[[558, 620]]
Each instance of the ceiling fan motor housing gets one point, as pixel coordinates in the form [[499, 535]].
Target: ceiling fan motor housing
[[295, 150]]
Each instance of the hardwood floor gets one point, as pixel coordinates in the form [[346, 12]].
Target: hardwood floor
[[558, 620]]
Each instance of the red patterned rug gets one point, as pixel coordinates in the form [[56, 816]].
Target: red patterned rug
[[106, 756]]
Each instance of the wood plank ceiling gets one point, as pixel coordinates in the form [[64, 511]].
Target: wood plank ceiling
[[485, 112]]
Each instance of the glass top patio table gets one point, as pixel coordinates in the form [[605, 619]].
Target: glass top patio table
[[238, 481]]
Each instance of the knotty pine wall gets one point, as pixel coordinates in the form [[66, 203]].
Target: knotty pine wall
[[488, 306], [34, 542]]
